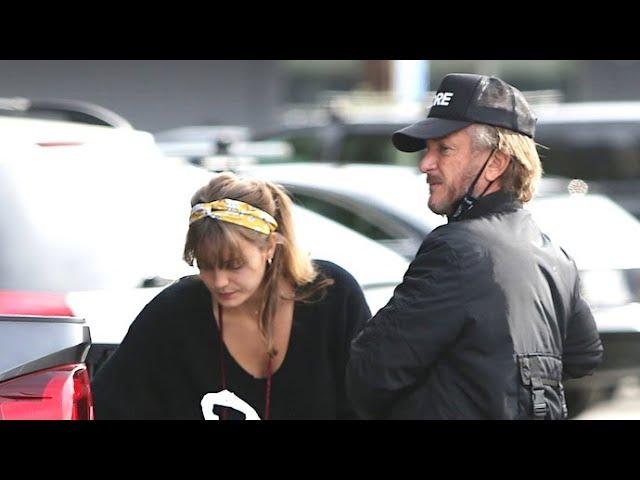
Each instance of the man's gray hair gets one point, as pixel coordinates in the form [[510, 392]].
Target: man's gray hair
[[483, 137], [524, 171]]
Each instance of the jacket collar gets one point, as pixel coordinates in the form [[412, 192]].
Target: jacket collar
[[496, 202]]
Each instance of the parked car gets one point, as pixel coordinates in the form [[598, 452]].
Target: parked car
[[42, 371], [344, 139], [600, 235], [74, 111], [95, 229], [219, 147], [197, 141], [368, 198], [33, 135], [598, 142]]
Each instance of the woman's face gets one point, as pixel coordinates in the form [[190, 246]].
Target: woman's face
[[237, 279]]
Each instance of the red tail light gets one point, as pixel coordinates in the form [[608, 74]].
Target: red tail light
[[34, 303], [60, 393]]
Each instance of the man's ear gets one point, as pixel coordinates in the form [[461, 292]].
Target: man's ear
[[497, 166]]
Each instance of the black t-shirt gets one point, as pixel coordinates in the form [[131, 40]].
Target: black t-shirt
[[170, 358]]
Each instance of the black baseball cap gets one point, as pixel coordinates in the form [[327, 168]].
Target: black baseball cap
[[463, 99]]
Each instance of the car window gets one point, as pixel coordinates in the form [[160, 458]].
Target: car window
[[374, 148], [306, 148], [595, 151], [343, 216]]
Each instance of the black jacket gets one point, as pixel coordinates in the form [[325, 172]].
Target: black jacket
[[486, 323]]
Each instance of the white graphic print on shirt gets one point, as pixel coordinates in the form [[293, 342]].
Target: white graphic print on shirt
[[225, 398]]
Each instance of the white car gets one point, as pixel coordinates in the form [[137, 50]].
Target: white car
[[378, 270], [389, 204], [93, 226]]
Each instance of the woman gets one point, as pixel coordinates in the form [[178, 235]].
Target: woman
[[262, 332]]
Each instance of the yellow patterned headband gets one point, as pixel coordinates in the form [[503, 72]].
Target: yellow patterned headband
[[236, 212]]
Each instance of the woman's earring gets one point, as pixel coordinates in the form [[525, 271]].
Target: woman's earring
[[269, 260]]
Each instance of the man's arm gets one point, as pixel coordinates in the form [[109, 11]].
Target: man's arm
[[396, 348], [582, 351]]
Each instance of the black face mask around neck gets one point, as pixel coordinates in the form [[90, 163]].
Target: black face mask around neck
[[467, 202]]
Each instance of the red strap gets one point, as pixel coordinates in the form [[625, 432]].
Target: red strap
[[222, 376], [267, 401]]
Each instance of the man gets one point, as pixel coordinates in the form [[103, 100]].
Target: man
[[489, 318]]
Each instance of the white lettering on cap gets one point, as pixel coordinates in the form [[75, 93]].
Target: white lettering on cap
[[442, 99]]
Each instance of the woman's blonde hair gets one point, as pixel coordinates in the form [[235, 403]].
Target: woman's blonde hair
[[218, 241], [524, 171]]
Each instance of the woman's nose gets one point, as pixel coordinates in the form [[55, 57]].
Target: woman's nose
[[220, 280]]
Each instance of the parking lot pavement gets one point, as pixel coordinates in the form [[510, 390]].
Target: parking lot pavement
[[625, 404]]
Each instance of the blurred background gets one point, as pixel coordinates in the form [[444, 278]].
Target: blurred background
[[160, 94], [133, 139]]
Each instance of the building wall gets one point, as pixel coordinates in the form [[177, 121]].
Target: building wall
[[609, 80], [156, 94], [159, 94]]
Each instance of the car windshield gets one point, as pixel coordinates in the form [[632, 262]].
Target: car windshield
[[375, 148], [592, 151], [328, 240]]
